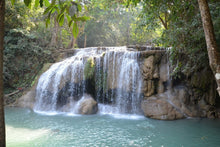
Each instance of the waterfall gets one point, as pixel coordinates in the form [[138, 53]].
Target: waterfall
[[111, 75]]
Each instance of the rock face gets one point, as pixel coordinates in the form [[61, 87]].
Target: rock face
[[169, 99], [87, 105], [169, 105], [27, 100]]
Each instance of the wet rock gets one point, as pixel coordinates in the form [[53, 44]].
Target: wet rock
[[87, 105]]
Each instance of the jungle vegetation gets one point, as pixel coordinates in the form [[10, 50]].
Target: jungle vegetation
[[36, 29]]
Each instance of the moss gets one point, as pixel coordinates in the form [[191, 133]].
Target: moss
[[45, 67], [89, 68]]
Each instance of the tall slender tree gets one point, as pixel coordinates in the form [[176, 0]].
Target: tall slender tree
[[212, 48], [2, 118]]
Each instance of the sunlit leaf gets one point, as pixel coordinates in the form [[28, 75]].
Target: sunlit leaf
[[85, 7], [61, 20], [83, 18], [68, 18], [75, 30], [37, 3], [47, 3]]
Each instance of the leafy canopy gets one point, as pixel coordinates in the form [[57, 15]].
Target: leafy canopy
[[64, 8]]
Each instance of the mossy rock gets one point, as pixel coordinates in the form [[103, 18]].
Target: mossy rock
[[202, 80], [89, 68]]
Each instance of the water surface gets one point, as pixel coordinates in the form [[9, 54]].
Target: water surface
[[26, 128]]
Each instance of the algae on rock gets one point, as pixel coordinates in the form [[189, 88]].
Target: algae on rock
[[89, 68]]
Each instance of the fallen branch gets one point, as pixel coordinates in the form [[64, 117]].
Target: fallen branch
[[13, 93]]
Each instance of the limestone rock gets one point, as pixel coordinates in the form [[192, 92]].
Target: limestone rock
[[148, 88], [148, 67], [157, 108], [27, 100], [88, 105]]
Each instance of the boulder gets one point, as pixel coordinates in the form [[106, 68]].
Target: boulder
[[175, 103], [87, 105], [157, 108]]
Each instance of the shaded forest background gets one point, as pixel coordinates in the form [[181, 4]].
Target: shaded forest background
[[29, 44]]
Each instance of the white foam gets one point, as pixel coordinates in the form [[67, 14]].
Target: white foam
[[50, 113]]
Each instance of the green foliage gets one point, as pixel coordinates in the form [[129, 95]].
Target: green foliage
[[18, 16], [181, 29], [23, 58], [89, 68], [65, 9]]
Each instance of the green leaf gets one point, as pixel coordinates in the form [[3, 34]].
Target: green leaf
[[68, 18], [48, 9], [70, 23], [79, 8], [47, 3], [12, 2], [75, 30], [54, 9], [27, 2], [37, 3], [61, 20], [85, 7], [47, 21], [83, 18]]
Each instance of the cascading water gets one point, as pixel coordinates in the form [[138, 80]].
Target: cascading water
[[110, 75]]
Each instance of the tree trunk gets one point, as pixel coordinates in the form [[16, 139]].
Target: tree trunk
[[72, 43], [213, 53], [55, 30], [85, 39], [2, 119]]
